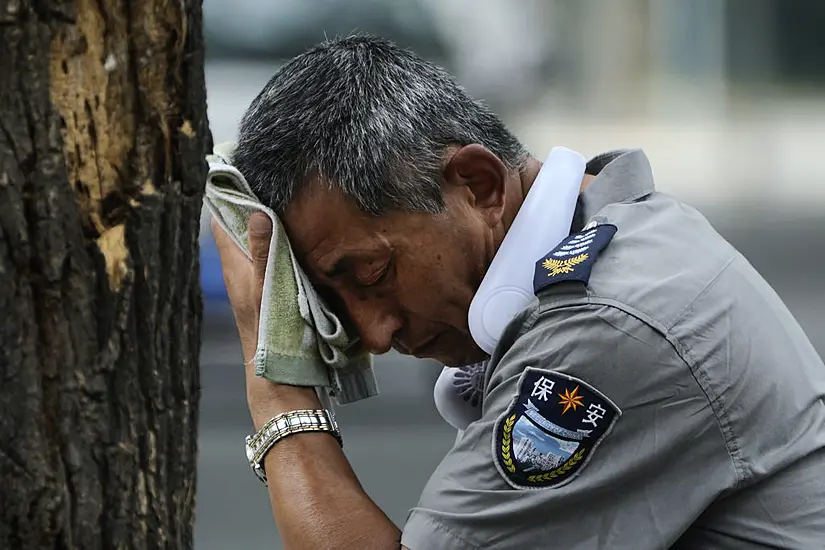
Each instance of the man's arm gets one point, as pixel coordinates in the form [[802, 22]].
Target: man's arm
[[596, 433], [316, 498]]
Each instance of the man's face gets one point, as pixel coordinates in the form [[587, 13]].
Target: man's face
[[401, 280]]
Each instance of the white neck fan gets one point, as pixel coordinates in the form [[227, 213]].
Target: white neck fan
[[541, 223]]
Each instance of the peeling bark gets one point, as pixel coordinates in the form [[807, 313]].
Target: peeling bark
[[103, 133]]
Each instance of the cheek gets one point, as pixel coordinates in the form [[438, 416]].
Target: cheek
[[432, 285]]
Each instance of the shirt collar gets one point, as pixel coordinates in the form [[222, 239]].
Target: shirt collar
[[621, 176]]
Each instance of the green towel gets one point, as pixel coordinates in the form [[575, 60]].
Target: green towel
[[300, 341]]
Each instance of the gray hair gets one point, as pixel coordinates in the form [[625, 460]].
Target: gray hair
[[368, 117]]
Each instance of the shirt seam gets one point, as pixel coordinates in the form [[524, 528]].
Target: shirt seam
[[426, 518], [718, 404], [702, 292]]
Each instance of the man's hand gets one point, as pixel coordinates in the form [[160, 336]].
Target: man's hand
[[317, 500], [244, 279]]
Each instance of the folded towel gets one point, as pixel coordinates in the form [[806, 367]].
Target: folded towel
[[300, 341]]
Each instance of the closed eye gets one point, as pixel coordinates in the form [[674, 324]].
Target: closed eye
[[380, 277]]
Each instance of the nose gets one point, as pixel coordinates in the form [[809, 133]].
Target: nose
[[374, 321]]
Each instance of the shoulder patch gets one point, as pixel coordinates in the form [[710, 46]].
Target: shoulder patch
[[551, 430], [573, 258]]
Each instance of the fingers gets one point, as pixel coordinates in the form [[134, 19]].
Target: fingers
[[260, 234], [233, 261], [227, 249], [244, 279], [218, 233]]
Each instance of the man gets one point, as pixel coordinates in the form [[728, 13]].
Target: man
[[656, 394]]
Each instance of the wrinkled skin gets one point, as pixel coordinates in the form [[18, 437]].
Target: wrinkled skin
[[406, 280]]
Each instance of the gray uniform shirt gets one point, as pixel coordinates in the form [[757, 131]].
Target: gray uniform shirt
[[665, 399]]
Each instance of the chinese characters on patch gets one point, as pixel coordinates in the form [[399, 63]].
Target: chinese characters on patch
[[543, 391]]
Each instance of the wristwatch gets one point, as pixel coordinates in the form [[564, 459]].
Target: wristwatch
[[283, 425]]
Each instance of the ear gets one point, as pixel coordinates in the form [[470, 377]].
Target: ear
[[480, 176]]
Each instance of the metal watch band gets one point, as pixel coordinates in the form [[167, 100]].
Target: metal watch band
[[283, 425]]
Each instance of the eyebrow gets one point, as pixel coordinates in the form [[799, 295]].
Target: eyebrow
[[346, 260]]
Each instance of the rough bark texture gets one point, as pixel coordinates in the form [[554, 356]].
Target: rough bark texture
[[103, 132]]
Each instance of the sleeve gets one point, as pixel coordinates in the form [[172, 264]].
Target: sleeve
[[594, 434]]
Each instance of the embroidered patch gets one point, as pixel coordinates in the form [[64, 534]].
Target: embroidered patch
[[573, 258], [551, 430]]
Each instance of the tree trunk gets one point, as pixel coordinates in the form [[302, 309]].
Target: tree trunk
[[103, 133]]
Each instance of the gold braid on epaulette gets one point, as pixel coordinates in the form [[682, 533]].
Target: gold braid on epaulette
[[506, 440], [557, 267], [563, 469]]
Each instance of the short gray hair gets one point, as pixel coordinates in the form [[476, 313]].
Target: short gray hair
[[368, 117]]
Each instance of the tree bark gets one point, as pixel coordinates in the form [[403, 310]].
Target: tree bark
[[103, 133]]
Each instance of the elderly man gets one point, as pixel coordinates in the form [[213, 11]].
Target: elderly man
[[657, 393]]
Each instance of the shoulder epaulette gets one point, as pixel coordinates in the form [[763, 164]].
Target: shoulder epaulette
[[573, 258]]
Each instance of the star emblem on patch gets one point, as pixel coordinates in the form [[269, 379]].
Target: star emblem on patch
[[551, 430], [571, 399]]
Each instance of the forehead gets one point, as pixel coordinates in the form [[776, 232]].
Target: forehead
[[321, 222]]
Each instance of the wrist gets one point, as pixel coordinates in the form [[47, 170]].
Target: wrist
[[268, 399], [302, 421]]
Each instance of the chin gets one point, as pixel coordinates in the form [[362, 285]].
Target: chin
[[461, 357]]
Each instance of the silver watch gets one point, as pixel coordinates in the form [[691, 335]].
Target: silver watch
[[283, 425]]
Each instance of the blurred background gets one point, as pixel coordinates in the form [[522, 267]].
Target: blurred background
[[727, 98]]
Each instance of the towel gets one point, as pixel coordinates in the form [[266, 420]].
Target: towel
[[300, 341]]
